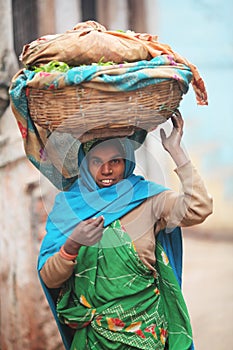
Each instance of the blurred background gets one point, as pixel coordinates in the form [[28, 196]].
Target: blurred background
[[202, 32]]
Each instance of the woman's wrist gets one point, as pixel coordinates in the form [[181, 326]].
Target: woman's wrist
[[71, 247], [179, 156], [67, 256]]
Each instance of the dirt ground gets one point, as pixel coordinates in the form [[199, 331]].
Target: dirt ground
[[208, 290]]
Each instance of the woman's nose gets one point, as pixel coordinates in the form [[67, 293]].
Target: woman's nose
[[106, 169]]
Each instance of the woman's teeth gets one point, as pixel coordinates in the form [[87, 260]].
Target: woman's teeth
[[107, 181]]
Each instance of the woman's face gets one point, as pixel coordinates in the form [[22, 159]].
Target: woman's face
[[106, 164]]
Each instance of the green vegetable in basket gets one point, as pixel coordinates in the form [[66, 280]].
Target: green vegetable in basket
[[56, 66], [53, 66], [101, 63]]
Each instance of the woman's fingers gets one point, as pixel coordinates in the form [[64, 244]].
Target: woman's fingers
[[177, 113], [172, 141], [94, 221], [98, 221], [177, 120], [88, 232], [162, 135], [92, 230]]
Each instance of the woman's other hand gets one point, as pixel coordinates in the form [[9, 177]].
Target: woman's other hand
[[86, 233], [172, 143]]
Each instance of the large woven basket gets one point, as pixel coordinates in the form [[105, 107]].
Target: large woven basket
[[90, 113]]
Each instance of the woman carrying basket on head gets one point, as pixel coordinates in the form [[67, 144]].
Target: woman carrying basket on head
[[110, 263]]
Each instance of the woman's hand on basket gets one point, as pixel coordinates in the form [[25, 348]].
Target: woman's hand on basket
[[172, 143], [86, 233]]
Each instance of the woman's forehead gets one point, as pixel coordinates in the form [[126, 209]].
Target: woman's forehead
[[105, 151], [109, 146]]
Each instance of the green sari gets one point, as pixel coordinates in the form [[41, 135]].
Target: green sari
[[113, 301]]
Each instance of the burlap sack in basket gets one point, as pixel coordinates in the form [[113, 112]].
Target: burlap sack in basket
[[88, 42]]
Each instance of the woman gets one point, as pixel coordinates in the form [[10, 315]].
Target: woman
[[111, 253]]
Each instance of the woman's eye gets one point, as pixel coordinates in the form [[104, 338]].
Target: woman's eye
[[96, 162], [115, 161]]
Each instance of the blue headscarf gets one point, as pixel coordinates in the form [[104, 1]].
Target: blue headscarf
[[86, 200]]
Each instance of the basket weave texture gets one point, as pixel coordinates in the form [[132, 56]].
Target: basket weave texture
[[89, 113]]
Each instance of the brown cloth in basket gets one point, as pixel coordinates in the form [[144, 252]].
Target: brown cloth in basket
[[90, 42]]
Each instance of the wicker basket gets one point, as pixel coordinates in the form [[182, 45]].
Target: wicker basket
[[89, 113]]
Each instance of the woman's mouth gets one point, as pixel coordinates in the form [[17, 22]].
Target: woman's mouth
[[106, 182]]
